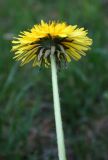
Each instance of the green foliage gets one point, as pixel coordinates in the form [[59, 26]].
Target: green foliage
[[27, 128]]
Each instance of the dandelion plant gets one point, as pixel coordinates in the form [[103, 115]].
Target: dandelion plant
[[51, 44]]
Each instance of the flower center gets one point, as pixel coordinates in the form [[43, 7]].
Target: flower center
[[46, 42]]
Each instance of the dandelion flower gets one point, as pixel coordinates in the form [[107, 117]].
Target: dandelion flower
[[64, 41]]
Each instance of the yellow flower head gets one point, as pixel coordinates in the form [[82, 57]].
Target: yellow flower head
[[63, 41]]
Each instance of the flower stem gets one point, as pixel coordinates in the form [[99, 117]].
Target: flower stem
[[57, 112]]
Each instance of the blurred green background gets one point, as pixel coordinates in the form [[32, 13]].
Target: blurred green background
[[27, 128]]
